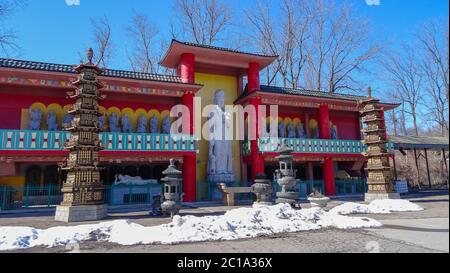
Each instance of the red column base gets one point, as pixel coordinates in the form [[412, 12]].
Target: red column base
[[328, 177], [257, 160], [190, 178]]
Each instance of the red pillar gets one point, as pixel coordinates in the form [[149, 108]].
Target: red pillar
[[328, 176], [186, 70], [324, 122], [327, 167], [257, 159], [253, 77]]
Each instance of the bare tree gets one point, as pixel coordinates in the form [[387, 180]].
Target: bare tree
[[143, 34], [8, 36], [103, 41], [287, 38], [341, 47], [202, 21], [433, 39], [320, 45], [407, 78]]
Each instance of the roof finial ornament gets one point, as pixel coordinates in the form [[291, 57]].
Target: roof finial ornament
[[90, 55], [369, 92]]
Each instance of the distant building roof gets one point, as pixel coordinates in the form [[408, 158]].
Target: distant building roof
[[425, 142], [309, 93], [19, 64]]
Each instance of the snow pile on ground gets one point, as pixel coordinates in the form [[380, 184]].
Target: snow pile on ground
[[235, 224], [376, 207]]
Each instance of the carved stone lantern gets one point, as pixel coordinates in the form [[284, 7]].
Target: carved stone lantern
[[172, 196], [262, 189], [285, 177]]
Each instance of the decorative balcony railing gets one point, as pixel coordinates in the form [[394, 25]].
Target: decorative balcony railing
[[54, 141], [315, 146]]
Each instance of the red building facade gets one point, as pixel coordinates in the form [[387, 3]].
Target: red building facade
[[331, 144]]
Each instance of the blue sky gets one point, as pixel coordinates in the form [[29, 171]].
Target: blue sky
[[52, 31]]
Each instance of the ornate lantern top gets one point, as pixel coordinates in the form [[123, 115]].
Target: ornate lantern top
[[172, 171], [90, 55]]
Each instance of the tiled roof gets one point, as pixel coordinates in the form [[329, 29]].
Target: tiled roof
[[223, 49], [425, 142], [310, 93], [11, 63]]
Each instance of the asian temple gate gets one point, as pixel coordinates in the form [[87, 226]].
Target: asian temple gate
[[327, 139]]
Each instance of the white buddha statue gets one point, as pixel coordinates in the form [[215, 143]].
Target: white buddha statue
[[220, 165]]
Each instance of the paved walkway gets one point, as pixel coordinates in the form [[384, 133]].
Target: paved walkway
[[425, 231]]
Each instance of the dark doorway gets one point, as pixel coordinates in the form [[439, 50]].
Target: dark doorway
[[112, 172], [145, 172], [51, 176], [131, 171], [33, 176]]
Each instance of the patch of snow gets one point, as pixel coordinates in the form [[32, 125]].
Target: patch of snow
[[240, 223], [386, 206]]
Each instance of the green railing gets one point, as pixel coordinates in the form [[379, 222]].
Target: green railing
[[46, 140], [246, 148], [343, 187], [317, 146], [50, 196]]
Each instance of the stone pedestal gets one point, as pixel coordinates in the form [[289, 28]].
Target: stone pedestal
[[70, 214], [369, 197], [221, 178]]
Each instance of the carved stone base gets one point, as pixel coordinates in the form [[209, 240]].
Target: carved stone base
[[369, 197], [70, 214], [221, 178]]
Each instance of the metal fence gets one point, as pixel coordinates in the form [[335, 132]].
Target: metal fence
[[119, 195], [208, 191], [50, 196]]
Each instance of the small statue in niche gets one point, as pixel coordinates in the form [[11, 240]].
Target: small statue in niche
[[273, 131], [334, 132], [282, 130], [300, 131], [154, 129], [101, 123], [166, 125], [35, 119], [126, 124], [142, 125], [291, 131], [52, 124], [114, 123], [67, 121], [315, 132]]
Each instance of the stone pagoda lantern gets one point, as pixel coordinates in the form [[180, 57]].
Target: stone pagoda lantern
[[172, 196], [263, 190], [83, 190], [380, 178], [286, 177]]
